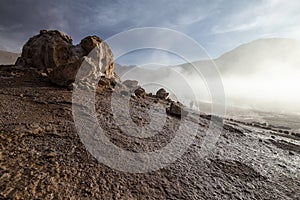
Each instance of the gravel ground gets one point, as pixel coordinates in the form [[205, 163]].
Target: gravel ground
[[42, 156]]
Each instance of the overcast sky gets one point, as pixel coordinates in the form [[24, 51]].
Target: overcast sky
[[218, 25]]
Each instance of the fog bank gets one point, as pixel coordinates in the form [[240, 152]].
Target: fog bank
[[262, 75]]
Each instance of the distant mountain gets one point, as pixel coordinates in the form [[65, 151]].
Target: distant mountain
[[120, 69], [253, 75], [144, 75], [7, 58], [257, 55], [261, 53]]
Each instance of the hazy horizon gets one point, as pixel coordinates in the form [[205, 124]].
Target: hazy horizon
[[260, 75], [219, 26], [252, 77]]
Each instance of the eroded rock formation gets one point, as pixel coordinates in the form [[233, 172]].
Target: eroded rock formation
[[87, 65], [53, 52]]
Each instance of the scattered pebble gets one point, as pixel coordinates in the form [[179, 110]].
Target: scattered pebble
[[291, 153]]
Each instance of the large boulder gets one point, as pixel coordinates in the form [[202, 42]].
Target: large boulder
[[49, 49], [53, 51]]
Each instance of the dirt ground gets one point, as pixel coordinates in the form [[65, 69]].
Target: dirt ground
[[42, 156]]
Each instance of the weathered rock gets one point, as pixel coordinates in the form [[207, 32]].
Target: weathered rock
[[90, 42], [162, 93], [140, 92], [176, 109], [54, 51], [49, 49], [65, 74], [107, 82]]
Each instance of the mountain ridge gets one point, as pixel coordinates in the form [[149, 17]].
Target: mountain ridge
[[268, 50], [7, 58]]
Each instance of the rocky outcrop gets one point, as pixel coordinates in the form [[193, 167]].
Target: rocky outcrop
[[49, 49], [176, 109], [162, 93], [53, 52]]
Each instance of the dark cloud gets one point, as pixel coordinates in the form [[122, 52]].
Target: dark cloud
[[21, 19], [217, 25]]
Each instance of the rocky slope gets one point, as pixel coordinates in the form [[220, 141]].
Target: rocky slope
[[43, 157]]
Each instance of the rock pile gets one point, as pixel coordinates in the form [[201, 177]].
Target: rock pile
[[53, 52]]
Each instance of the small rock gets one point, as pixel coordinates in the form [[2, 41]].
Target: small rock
[[36, 131], [176, 109], [162, 93], [124, 93], [291, 153], [286, 132], [281, 165], [296, 134], [267, 142], [225, 136], [51, 154], [140, 92], [105, 82], [44, 74], [48, 128], [169, 100]]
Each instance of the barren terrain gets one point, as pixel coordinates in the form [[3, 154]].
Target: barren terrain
[[42, 157]]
